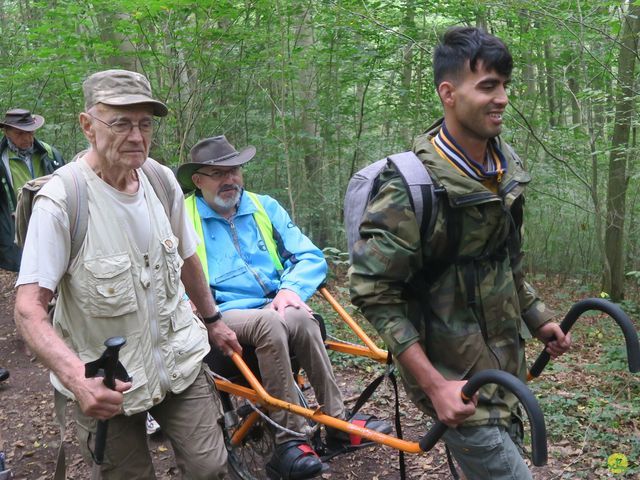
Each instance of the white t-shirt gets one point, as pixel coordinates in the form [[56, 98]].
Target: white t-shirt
[[47, 249]]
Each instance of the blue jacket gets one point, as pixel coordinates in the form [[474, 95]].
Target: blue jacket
[[241, 273]]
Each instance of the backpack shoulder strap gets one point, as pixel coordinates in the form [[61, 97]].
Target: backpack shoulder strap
[[419, 183], [160, 183], [75, 187]]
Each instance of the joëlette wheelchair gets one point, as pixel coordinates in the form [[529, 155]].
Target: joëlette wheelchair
[[250, 436]]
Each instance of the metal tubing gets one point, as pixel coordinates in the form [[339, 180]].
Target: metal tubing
[[319, 417], [246, 425], [376, 353]]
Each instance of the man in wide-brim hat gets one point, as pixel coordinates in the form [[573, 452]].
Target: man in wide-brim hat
[[262, 269], [23, 158]]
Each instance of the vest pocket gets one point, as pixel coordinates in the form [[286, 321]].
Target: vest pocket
[[110, 284], [173, 262]]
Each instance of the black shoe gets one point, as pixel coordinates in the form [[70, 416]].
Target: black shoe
[[294, 460], [339, 442], [4, 374]]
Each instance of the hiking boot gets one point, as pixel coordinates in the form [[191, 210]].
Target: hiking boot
[[340, 442], [294, 460], [4, 374], [152, 426]]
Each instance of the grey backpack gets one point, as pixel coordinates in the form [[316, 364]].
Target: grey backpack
[[363, 187]]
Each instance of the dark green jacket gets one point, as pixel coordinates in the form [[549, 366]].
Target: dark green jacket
[[10, 253], [464, 303]]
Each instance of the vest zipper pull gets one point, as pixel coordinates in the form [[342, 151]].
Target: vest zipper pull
[[146, 260]]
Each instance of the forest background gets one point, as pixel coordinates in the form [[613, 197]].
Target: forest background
[[323, 87]]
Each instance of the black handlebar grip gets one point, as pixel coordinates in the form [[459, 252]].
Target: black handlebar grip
[[611, 309], [522, 392]]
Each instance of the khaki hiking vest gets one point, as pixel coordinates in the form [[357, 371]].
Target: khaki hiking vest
[[112, 289]]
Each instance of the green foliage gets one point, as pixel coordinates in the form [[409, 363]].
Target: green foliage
[[323, 88]]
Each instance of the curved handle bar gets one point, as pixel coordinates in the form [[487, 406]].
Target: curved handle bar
[[611, 309], [520, 390]]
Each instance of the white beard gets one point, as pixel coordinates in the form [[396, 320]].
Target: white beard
[[229, 204]]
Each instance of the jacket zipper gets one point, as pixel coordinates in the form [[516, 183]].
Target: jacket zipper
[[474, 199], [236, 243]]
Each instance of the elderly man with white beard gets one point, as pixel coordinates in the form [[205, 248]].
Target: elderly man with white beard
[[262, 269]]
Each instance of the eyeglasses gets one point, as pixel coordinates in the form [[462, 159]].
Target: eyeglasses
[[123, 127], [220, 174]]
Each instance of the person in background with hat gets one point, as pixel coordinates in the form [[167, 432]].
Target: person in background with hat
[[262, 269], [128, 279], [23, 158]]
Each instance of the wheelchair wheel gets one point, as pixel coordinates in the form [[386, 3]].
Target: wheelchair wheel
[[248, 460]]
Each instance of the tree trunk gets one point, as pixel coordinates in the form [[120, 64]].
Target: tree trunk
[[123, 55], [407, 71], [551, 89], [617, 185]]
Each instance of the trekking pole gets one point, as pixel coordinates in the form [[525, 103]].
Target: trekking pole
[[109, 367], [520, 390], [611, 309]]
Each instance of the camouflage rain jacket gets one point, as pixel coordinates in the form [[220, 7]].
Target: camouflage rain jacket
[[463, 303]]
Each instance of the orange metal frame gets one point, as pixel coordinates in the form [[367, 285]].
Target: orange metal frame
[[257, 394]]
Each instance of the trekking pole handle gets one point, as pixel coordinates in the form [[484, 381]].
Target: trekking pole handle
[[611, 309], [111, 354], [521, 391]]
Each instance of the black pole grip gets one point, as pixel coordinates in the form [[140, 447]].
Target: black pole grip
[[522, 392], [611, 309], [110, 355]]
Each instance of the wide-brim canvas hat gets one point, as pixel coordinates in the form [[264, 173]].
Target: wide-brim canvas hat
[[120, 88], [22, 120], [212, 151]]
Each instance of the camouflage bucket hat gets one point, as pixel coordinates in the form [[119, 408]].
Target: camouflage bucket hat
[[120, 88]]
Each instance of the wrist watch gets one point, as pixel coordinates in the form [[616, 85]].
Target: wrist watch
[[213, 318]]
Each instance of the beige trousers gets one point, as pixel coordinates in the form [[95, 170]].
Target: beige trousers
[[190, 422], [275, 338]]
